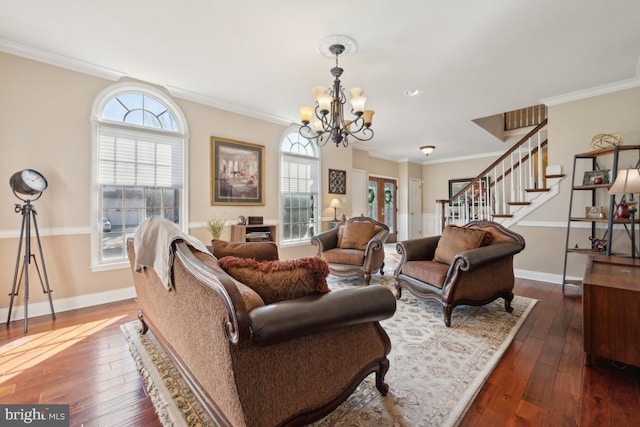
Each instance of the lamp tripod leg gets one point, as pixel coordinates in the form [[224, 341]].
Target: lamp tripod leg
[[16, 282], [45, 285]]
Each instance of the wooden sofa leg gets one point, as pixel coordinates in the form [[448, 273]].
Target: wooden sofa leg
[[398, 290], [367, 279], [382, 387], [507, 302], [447, 310], [382, 269], [145, 328]]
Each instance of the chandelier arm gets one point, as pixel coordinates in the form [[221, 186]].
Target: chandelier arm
[[365, 135]]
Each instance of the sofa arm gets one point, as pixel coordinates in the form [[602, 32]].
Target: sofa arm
[[417, 249], [325, 240], [474, 258], [313, 314]]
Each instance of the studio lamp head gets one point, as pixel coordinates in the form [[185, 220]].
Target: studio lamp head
[[28, 182]]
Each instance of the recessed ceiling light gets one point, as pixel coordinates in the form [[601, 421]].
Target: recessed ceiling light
[[411, 92]]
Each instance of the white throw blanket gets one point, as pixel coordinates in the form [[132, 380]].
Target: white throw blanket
[[153, 247]]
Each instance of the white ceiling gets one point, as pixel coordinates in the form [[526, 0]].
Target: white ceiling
[[468, 58]]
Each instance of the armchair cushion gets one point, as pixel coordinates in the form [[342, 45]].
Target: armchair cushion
[[261, 251], [459, 239], [356, 235], [279, 280], [431, 272], [344, 256]]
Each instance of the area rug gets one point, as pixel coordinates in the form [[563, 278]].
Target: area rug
[[435, 372]]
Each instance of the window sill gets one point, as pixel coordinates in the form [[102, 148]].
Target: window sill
[[95, 268]]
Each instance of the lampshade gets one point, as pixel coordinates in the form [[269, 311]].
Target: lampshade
[[427, 149], [627, 181], [335, 203]]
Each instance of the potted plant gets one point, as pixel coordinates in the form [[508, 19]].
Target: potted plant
[[216, 224]]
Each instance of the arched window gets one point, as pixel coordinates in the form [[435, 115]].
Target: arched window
[[299, 190], [139, 166]]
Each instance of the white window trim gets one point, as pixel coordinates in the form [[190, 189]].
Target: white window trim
[[98, 106], [282, 243]]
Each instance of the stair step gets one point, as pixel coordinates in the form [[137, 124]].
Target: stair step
[[558, 175], [536, 190], [502, 216], [518, 203]]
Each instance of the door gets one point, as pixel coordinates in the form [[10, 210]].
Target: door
[[415, 209], [382, 194]]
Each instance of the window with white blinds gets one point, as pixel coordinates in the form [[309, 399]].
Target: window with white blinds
[[299, 189], [139, 170]]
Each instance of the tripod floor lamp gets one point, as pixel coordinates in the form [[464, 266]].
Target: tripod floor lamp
[[28, 182], [628, 182]]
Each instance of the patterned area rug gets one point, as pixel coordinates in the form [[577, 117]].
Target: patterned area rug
[[435, 372]]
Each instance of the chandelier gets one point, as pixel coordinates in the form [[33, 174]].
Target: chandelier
[[329, 122]]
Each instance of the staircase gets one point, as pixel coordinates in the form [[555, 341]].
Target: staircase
[[509, 189]]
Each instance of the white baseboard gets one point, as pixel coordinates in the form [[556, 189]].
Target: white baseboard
[[66, 304], [542, 277]]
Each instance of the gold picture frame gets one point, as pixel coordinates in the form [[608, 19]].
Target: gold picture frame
[[237, 173]]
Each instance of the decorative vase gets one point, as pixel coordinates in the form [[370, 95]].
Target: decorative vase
[[622, 210]]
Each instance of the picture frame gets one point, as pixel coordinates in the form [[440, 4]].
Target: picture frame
[[595, 212], [237, 173], [337, 181], [596, 177], [479, 193]]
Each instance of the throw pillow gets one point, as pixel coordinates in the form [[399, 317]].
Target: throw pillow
[[262, 251], [279, 280], [458, 239], [356, 235]]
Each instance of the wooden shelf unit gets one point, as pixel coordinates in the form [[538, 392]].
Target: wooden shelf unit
[[599, 196], [263, 232]]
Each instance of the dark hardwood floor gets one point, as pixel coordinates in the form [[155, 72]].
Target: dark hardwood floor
[[83, 360]]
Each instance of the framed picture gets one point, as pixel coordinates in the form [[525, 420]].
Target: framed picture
[[337, 181], [478, 193], [596, 177], [237, 172]]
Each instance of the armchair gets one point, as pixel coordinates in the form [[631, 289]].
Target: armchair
[[469, 265], [354, 248]]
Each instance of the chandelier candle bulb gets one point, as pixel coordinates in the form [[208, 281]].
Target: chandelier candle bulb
[[355, 92], [358, 104], [368, 117], [318, 91], [305, 114], [324, 104]]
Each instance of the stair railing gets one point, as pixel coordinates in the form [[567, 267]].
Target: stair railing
[[503, 184]]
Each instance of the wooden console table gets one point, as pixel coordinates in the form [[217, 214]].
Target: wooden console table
[[611, 309]]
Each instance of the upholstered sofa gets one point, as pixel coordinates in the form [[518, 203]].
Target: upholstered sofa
[[354, 248], [256, 364], [469, 265]]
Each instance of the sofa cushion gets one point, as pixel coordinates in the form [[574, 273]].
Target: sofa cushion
[[261, 251], [279, 280], [456, 239], [344, 256], [430, 272], [356, 235], [249, 296], [495, 235]]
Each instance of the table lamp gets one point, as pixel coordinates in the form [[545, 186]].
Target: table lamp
[[628, 181], [335, 204]]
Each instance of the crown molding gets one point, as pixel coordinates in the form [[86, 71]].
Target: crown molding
[[227, 106], [61, 61], [594, 91]]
